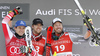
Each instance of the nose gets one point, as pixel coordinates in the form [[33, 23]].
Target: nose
[[39, 27], [21, 30], [59, 26]]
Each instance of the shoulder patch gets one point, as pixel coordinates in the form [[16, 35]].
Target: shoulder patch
[[66, 34]]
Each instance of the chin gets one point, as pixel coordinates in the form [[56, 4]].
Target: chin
[[21, 34], [59, 32], [38, 32]]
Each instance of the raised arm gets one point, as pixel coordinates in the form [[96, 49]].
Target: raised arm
[[6, 29]]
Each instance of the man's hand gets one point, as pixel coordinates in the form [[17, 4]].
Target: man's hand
[[25, 49], [17, 10], [88, 18], [86, 24]]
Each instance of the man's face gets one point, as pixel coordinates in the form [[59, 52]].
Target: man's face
[[20, 30], [58, 27], [37, 28]]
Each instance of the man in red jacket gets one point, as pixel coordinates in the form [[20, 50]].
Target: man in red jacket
[[62, 42], [15, 40], [38, 40]]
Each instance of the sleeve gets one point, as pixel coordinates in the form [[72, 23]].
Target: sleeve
[[77, 38], [6, 29], [12, 30]]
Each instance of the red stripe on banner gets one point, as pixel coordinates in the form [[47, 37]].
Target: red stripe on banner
[[5, 30]]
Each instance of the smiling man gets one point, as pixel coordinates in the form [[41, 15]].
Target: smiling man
[[15, 39], [38, 40], [61, 41]]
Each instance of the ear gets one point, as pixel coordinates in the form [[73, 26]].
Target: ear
[[32, 26], [53, 26]]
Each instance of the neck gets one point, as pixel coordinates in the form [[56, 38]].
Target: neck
[[18, 36], [57, 34]]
